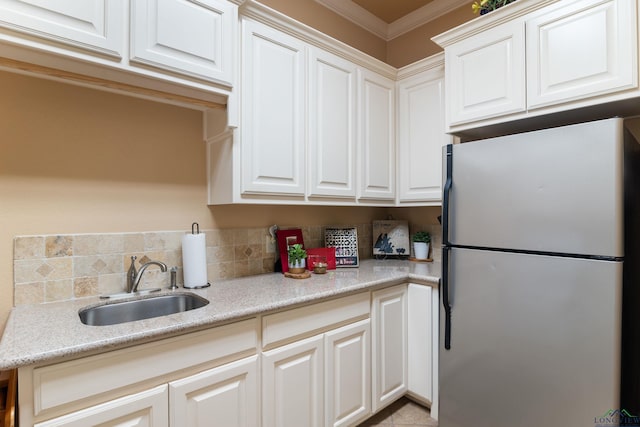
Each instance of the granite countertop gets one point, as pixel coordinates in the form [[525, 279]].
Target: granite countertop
[[46, 332]]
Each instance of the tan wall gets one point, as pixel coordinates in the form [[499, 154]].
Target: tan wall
[[417, 44], [401, 51], [77, 160], [322, 19]]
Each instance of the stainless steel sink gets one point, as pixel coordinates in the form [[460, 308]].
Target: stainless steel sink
[[145, 308]]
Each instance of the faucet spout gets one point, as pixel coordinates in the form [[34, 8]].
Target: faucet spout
[[136, 281]]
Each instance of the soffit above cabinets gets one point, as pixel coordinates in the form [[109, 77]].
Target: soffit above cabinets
[[387, 19]]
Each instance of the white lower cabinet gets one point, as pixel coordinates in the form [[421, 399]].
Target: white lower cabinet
[[292, 384], [348, 374], [389, 338], [145, 409], [225, 396], [331, 363], [423, 345], [322, 378], [188, 380], [319, 381]]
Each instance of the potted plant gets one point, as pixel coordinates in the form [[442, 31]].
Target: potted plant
[[486, 6], [421, 240], [296, 258]]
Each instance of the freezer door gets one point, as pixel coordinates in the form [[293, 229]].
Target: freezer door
[[535, 340], [556, 190]]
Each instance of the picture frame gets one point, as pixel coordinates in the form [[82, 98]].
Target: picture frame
[[345, 240], [285, 239], [391, 239]]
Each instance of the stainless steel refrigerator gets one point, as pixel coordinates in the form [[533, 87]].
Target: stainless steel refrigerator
[[534, 279]]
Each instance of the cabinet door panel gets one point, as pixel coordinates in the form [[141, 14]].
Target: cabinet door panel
[[348, 374], [292, 385], [146, 409], [95, 25], [389, 318], [203, 45], [332, 125], [377, 137], [585, 48], [273, 137], [225, 396], [421, 137], [485, 75], [420, 342]]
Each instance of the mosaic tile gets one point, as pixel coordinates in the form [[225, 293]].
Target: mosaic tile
[[29, 293], [85, 287], [58, 290], [133, 242], [93, 264], [58, 246], [240, 237], [28, 247]]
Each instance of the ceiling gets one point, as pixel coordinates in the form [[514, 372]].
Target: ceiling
[[390, 11], [389, 19]]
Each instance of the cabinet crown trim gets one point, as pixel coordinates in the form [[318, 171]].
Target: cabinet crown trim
[[493, 19], [263, 14], [433, 62]]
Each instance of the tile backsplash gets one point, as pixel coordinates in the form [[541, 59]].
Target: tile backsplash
[[52, 268]]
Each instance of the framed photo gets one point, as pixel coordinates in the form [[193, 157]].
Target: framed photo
[[287, 238], [345, 240], [391, 239]]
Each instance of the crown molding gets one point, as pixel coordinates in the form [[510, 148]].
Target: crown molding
[[358, 15], [365, 19], [419, 17]]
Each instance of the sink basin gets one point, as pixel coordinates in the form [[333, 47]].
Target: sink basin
[[145, 308]]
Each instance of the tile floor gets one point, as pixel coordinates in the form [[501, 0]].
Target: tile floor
[[402, 413]]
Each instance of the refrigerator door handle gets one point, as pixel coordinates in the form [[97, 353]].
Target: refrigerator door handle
[[444, 285], [446, 193], [444, 281]]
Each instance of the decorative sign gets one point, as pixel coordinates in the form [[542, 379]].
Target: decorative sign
[[345, 240], [391, 238]]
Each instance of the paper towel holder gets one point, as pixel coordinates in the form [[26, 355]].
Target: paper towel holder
[[195, 229]]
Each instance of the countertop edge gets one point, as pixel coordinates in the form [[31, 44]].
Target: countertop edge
[[151, 334]]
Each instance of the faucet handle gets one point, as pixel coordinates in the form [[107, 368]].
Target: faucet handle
[[131, 273]]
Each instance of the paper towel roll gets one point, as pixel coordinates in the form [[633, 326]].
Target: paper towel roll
[[194, 260]]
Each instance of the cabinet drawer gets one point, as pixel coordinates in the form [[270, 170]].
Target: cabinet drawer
[[293, 324], [86, 378]]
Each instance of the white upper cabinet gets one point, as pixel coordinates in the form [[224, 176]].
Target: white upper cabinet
[[535, 57], [273, 112], [185, 36], [332, 124], [92, 25], [485, 74], [181, 52], [319, 124], [581, 49], [377, 148], [421, 133]]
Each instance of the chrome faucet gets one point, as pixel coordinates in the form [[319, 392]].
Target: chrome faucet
[[133, 276]]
